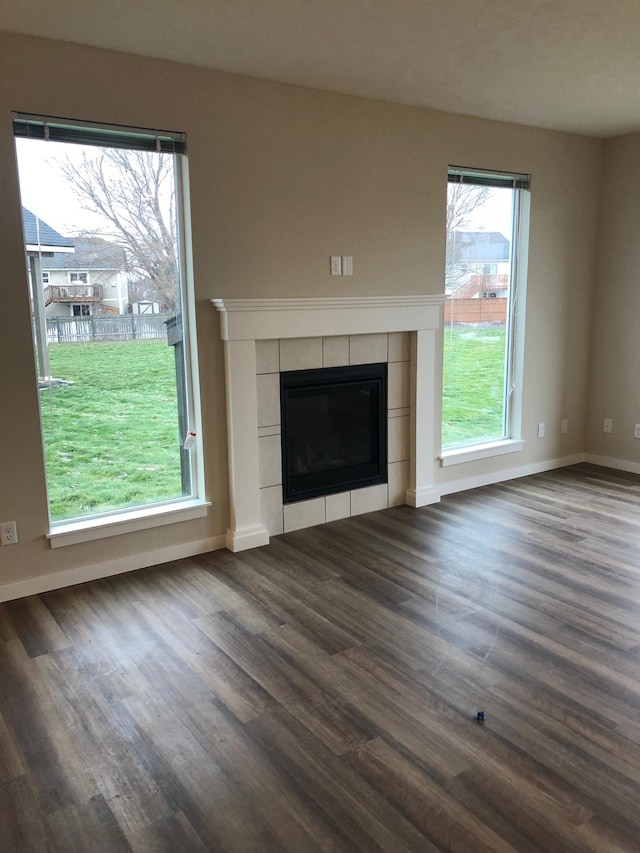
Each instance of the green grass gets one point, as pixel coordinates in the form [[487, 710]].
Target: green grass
[[111, 438], [473, 398]]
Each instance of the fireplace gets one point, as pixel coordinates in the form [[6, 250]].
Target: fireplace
[[266, 337], [334, 430]]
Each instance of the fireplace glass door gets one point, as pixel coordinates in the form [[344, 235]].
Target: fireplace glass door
[[334, 430]]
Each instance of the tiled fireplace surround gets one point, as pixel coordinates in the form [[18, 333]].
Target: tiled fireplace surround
[[263, 337]]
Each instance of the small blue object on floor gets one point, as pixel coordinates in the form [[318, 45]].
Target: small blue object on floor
[[479, 717]]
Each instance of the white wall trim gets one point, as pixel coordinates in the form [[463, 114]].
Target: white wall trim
[[96, 571], [275, 319], [509, 474], [609, 462], [459, 455], [128, 521], [422, 497], [245, 538]]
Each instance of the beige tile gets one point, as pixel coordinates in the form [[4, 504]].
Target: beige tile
[[397, 439], [367, 349], [300, 353], [270, 456], [335, 351], [268, 399], [398, 483], [303, 514], [275, 429], [398, 413], [399, 346], [369, 500], [267, 357], [398, 387], [271, 509], [338, 506]]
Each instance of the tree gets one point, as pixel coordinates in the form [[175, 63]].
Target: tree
[[462, 201], [133, 192]]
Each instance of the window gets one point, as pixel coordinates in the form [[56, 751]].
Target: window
[[483, 288], [45, 278], [116, 399]]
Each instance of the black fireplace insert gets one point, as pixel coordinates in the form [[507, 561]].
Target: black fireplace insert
[[334, 430]]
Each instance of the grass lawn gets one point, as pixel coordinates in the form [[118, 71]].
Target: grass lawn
[[111, 439], [473, 399]]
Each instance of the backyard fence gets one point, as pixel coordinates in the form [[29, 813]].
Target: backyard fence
[[123, 327], [475, 310]]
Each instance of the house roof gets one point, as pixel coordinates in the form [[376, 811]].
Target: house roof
[[479, 246], [39, 236], [90, 254]]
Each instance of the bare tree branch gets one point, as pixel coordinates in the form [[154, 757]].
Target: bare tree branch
[[132, 191], [462, 201]]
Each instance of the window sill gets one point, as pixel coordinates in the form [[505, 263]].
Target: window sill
[[86, 530], [479, 451]]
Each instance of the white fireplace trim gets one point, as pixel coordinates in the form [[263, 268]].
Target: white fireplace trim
[[245, 321]]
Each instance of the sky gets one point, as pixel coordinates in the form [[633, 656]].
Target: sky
[[43, 189]]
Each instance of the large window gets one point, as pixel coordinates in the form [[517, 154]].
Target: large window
[[102, 212], [482, 290]]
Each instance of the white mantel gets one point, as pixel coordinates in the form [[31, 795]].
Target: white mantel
[[245, 321]]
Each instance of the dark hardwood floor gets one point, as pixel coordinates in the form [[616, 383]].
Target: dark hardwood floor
[[320, 693]]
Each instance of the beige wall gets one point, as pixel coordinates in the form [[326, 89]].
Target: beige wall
[[281, 178], [615, 354]]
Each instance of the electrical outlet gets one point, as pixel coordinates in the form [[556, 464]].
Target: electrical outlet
[[8, 533], [336, 265], [564, 426], [608, 425], [540, 430], [636, 431]]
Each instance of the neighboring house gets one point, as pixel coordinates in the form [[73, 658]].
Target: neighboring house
[[80, 277], [91, 281], [477, 264]]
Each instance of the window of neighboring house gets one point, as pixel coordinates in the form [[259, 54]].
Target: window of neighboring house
[[484, 297], [116, 397], [45, 278]]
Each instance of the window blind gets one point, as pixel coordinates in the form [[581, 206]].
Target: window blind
[[105, 135], [482, 178]]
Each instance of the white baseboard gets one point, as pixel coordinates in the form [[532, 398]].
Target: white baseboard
[[96, 571], [609, 462], [422, 497], [509, 474], [247, 537]]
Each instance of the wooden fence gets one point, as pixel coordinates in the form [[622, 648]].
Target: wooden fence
[[475, 310], [122, 327]]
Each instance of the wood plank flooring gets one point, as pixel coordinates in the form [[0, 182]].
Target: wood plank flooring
[[318, 694]]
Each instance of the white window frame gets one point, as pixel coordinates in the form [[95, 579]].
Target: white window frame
[[77, 279], [512, 440], [195, 505]]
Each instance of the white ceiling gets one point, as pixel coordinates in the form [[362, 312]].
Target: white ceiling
[[565, 64]]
